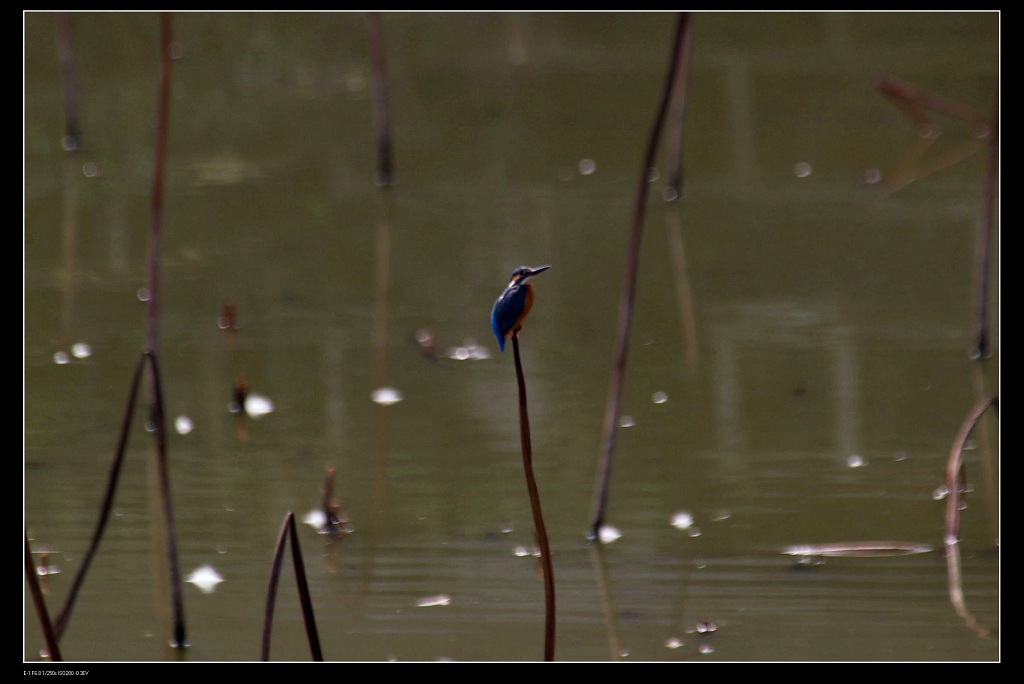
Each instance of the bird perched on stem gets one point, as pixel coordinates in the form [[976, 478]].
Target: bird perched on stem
[[514, 303]]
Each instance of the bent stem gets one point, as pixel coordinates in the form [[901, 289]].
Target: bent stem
[[39, 602], [288, 530], [538, 516], [955, 471], [618, 374]]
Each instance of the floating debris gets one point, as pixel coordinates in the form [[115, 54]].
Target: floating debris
[[206, 578], [61, 357], [425, 340], [81, 350], [855, 461], [238, 394], [257, 405], [673, 642], [706, 627], [330, 519], [439, 600], [469, 351], [316, 519], [43, 569], [626, 421], [386, 396], [523, 552], [228, 319], [659, 397], [587, 167], [682, 520], [869, 549], [183, 424], [607, 534]]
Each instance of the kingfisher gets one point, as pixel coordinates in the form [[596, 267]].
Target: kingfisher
[[514, 303]]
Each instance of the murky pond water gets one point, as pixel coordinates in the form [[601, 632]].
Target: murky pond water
[[799, 362]]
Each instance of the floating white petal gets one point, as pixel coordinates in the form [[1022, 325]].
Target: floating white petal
[[607, 534], [257, 405], [386, 396], [682, 520], [439, 600], [206, 578], [315, 519], [183, 424]]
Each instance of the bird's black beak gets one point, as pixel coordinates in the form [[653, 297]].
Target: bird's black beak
[[539, 269]]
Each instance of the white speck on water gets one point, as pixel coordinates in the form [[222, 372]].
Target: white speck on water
[[720, 516], [439, 600], [386, 396], [143, 294], [81, 350], [682, 520], [706, 648], [626, 421], [607, 534], [61, 357], [694, 532], [673, 642], [315, 519], [183, 424], [802, 170], [206, 578], [257, 405], [855, 461], [659, 397]]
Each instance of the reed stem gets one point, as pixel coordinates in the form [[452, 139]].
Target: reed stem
[[538, 516]]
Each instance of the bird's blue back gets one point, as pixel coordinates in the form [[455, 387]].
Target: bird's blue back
[[507, 310]]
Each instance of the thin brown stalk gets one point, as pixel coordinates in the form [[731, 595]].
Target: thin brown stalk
[[159, 422], [607, 603], [615, 385], [684, 297], [538, 516], [955, 469], [983, 251], [52, 650], [956, 592], [674, 144], [381, 113], [157, 192], [69, 84], [914, 99]]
